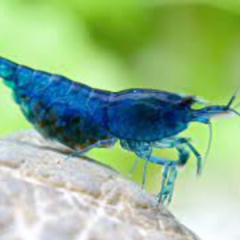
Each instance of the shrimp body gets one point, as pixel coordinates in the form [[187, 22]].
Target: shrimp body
[[147, 115], [83, 118], [60, 109]]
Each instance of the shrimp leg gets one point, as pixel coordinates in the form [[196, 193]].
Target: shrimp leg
[[179, 144], [99, 144], [170, 173], [135, 164]]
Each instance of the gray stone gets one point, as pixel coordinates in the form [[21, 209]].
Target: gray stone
[[45, 197]]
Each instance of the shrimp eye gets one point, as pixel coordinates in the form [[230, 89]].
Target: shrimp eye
[[188, 101]]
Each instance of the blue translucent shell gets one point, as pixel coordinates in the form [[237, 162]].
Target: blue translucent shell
[[71, 113], [78, 115], [146, 115]]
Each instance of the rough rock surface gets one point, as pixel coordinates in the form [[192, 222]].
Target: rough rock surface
[[45, 197]]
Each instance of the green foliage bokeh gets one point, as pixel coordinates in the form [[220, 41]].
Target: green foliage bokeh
[[188, 47]]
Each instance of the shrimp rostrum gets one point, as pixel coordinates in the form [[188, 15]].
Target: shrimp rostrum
[[84, 118]]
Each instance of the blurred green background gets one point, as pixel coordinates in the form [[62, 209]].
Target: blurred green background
[[180, 46]]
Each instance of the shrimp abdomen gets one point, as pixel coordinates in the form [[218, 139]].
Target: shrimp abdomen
[[59, 108]]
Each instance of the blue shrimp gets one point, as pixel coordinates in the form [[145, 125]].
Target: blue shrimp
[[84, 118]]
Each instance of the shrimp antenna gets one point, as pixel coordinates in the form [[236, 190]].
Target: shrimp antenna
[[209, 142], [233, 98], [236, 112]]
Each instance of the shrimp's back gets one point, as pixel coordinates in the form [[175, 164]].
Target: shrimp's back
[[60, 109]]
